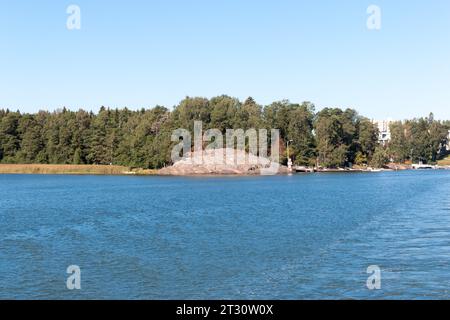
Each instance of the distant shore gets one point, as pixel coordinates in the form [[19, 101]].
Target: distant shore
[[111, 170], [69, 169]]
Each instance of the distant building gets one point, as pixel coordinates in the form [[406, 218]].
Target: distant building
[[384, 131]]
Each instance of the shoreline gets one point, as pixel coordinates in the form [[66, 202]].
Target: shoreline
[[69, 169], [111, 170]]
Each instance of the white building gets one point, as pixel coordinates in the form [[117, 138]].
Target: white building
[[384, 130]]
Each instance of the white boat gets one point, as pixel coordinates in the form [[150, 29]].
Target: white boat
[[422, 166]]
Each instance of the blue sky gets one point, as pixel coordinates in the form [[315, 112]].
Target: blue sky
[[142, 53]]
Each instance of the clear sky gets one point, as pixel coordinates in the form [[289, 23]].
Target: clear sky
[[143, 53]]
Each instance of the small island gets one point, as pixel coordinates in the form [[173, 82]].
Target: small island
[[126, 142]]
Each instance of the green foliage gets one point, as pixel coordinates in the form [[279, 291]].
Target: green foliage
[[361, 159], [9, 136], [421, 139], [331, 137], [342, 135], [380, 158], [367, 138]]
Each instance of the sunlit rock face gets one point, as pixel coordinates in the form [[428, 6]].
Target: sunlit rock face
[[220, 162]]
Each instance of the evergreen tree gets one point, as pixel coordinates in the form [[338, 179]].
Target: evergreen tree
[[142, 138], [9, 137]]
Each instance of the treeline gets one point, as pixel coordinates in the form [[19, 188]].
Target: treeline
[[331, 137], [418, 140]]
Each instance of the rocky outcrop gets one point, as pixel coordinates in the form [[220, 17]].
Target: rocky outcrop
[[222, 162]]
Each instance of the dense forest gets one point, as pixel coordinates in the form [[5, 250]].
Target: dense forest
[[332, 137]]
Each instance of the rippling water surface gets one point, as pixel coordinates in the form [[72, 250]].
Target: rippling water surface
[[297, 237]]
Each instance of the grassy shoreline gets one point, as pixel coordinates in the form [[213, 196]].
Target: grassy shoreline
[[109, 170], [69, 169], [444, 162]]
